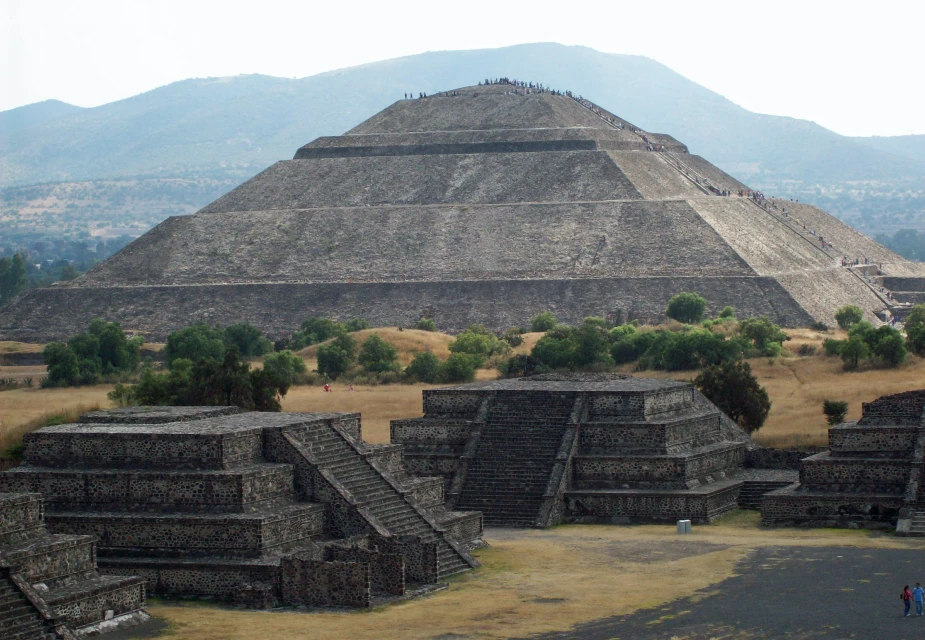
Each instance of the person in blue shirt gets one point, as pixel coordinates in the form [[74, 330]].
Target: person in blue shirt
[[918, 594]]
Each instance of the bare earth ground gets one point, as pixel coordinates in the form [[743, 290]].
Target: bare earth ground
[[549, 582]]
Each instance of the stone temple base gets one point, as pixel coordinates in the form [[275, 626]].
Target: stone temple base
[[615, 506], [792, 506]]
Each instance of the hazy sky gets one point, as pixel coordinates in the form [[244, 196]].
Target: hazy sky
[[854, 67]]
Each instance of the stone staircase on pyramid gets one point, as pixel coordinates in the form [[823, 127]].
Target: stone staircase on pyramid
[[258, 508], [49, 584], [517, 450]]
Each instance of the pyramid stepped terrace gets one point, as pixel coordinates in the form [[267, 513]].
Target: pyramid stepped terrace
[[489, 204]]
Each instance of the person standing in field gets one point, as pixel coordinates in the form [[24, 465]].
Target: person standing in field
[[906, 597], [917, 595]]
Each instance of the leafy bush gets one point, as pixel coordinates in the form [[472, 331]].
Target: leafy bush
[[736, 392], [728, 313], [818, 326], [835, 411], [890, 347], [766, 336], [513, 336], [519, 366], [104, 349], [336, 357], [459, 367], [848, 316], [832, 347], [356, 324], [285, 367], [197, 342], [426, 324], [248, 339], [315, 330], [686, 307], [424, 367], [853, 351], [63, 365], [378, 356], [543, 322], [915, 330], [806, 350], [480, 343]]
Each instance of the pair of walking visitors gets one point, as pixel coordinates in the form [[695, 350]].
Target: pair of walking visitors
[[916, 595]]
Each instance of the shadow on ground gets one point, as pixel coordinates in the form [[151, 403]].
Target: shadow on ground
[[827, 593]]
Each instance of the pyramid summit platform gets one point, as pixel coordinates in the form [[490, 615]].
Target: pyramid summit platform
[[484, 204]]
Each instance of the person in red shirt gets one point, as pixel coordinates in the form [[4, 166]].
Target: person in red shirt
[[906, 597]]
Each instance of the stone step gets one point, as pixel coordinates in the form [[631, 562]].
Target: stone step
[[87, 601], [242, 535], [49, 559], [236, 490]]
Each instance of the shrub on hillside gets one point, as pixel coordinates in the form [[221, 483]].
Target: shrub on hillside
[[848, 316], [728, 313], [853, 351], [194, 343], [336, 357], [315, 330], [377, 355], [915, 330], [835, 411], [736, 392], [767, 337], [426, 324], [248, 339], [103, 350], [687, 308], [543, 322], [513, 336], [479, 342], [459, 367], [285, 367], [356, 324], [424, 367], [520, 366]]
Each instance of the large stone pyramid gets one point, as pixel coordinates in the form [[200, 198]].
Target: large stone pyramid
[[485, 204]]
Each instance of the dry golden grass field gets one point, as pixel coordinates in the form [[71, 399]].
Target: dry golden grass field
[[797, 386], [535, 582]]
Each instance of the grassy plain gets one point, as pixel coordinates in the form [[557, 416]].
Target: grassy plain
[[536, 582]]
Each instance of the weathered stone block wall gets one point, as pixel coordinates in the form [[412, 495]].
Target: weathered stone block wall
[[682, 435], [48, 560], [824, 472], [20, 515], [639, 404], [790, 507], [420, 557], [768, 458], [662, 472], [89, 607], [386, 570], [621, 508], [451, 404], [320, 583], [430, 431], [873, 439]]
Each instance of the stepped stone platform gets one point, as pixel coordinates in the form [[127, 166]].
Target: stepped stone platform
[[261, 509], [538, 451], [871, 477], [486, 204], [49, 584]]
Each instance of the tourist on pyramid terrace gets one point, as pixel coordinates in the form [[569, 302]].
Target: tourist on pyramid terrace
[[917, 595]]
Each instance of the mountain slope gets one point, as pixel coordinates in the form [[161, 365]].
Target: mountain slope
[[242, 124], [31, 115], [912, 147]]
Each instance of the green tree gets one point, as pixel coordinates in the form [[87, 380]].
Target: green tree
[[284, 366], [555, 349], [478, 342], [766, 336], [848, 316], [915, 330], [356, 324], [591, 345], [117, 352], [520, 365], [377, 355], [728, 313], [424, 367], [337, 356], [195, 343], [62, 365], [13, 278], [315, 330], [835, 411], [426, 324], [889, 347], [248, 339], [543, 322], [459, 367], [736, 392], [686, 307], [853, 351]]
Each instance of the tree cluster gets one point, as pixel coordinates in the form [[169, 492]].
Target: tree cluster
[[13, 278], [103, 350], [884, 345]]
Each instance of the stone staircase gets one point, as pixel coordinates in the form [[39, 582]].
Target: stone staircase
[[375, 496], [19, 619], [752, 491], [60, 574], [509, 475]]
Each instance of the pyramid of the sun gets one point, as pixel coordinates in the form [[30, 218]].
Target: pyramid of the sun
[[486, 204]]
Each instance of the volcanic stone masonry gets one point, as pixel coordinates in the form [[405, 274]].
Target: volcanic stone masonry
[[870, 478], [259, 509], [556, 448], [487, 204]]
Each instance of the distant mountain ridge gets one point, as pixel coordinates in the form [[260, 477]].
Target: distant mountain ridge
[[31, 115], [225, 129]]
